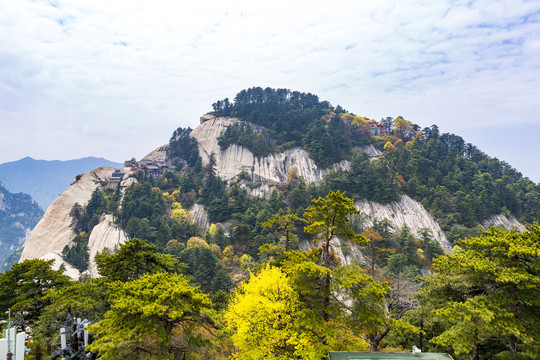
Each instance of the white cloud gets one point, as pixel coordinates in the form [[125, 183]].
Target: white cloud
[[114, 79]]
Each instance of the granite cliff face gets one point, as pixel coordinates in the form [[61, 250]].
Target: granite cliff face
[[236, 159], [104, 235], [54, 231], [507, 222], [408, 212], [274, 169]]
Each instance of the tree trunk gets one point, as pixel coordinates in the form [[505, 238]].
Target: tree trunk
[[326, 304], [475, 354], [376, 340]]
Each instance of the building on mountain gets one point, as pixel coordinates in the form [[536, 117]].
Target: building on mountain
[[116, 177], [130, 163], [152, 168]]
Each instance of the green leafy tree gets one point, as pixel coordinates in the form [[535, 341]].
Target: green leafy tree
[[369, 305], [77, 254], [374, 239], [307, 277], [486, 295], [299, 197], [328, 218], [285, 227], [23, 288], [133, 259], [157, 316], [183, 146], [204, 266], [403, 129], [79, 299]]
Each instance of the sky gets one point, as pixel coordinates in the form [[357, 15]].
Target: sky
[[114, 79]]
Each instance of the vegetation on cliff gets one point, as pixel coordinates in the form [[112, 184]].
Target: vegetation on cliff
[[243, 289], [480, 301], [460, 185]]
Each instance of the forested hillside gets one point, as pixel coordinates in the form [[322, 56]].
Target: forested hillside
[[18, 215], [457, 182], [268, 278]]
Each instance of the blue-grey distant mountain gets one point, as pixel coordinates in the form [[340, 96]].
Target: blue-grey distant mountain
[[18, 216], [44, 180]]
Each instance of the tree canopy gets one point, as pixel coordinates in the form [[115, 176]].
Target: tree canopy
[[486, 295], [23, 288], [267, 320], [134, 259], [157, 316]]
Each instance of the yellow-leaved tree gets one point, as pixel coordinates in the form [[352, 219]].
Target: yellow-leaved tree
[[267, 320], [178, 213]]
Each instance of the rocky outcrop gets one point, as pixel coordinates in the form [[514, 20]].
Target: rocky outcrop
[[408, 212], [69, 270], [370, 150], [237, 159], [206, 117], [502, 221], [348, 253], [104, 235], [199, 217], [158, 155], [53, 232]]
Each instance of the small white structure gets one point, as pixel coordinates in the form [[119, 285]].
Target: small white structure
[[12, 343]]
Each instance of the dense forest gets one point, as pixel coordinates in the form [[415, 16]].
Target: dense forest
[[267, 280], [458, 183]]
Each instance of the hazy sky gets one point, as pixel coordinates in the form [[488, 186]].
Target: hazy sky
[[115, 78]]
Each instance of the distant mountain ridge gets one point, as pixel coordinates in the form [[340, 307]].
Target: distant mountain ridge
[[44, 180]]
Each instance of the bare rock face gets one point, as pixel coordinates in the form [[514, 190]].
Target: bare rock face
[[370, 150], [157, 155], [199, 217], [70, 271], [206, 117], [408, 212], [502, 221], [53, 232], [104, 235], [236, 159]]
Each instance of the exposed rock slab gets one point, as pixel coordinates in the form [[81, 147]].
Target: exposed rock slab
[[235, 159], [199, 217], [70, 271], [157, 155], [406, 211], [502, 221], [53, 232], [104, 235], [370, 150]]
